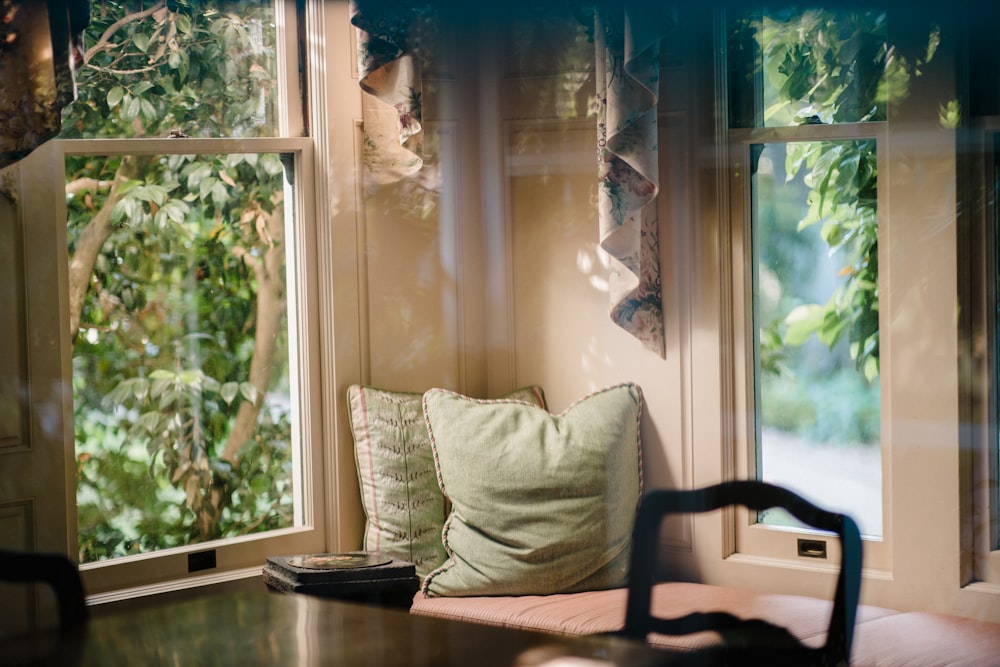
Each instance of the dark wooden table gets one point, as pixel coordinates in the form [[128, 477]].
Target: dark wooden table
[[260, 628]]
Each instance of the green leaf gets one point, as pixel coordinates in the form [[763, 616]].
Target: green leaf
[[205, 186], [249, 391], [209, 384], [140, 389], [176, 210], [162, 374], [151, 193], [220, 195], [119, 214], [871, 369], [272, 164], [149, 421], [159, 386], [117, 395], [141, 42], [130, 108], [831, 329], [147, 109], [260, 485], [115, 96], [191, 377], [229, 391], [169, 396], [802, 322], [183, 24]]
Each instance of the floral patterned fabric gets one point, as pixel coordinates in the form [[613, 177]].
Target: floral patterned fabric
[[627, 72], [389, 71], [40, 48]]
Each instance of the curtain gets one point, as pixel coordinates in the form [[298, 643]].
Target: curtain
[[390, 71], [627, 39], [40, 48]]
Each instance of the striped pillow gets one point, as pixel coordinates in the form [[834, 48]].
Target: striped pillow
[[403, 505]]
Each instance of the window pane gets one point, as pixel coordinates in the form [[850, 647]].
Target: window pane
[[815, 244], [993, 457], [183, 393], [812, 66], [196, 69]]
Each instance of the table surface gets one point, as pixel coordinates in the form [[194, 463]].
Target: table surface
[[260, 628]]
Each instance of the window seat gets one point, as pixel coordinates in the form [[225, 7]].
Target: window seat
[[883, 637]]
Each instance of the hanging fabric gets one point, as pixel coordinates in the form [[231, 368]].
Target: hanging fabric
[[390, 72], [627, 39]]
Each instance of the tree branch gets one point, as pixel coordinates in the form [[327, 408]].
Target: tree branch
[[105, 40], [123, 72], [88, 244], [271, 306], [79, 185]]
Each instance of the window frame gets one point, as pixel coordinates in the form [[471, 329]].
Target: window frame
[[980, 358], [128, 572], [753, 539], [928, 495], [241, 557]]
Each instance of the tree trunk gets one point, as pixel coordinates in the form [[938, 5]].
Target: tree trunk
[[271, 305], [269, 272], [90, 241]]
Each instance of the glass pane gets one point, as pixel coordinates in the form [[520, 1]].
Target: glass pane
[[811, 66], [197, 69], [994, 456], [815, 243], [182, 370]]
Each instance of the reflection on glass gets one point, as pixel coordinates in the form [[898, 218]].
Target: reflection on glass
[[994, 458], [815, 244], [184, 69], [183, 404], [813, 66]]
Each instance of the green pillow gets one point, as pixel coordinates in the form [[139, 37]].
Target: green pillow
[[403, 505], [541, 503]]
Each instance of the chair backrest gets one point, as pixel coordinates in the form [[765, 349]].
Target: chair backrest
[[53, 569], [757, 496]]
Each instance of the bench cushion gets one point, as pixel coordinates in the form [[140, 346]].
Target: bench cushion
[[596, 612], [883, 637], [922, 639]]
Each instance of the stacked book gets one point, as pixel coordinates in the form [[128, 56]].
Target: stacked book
[[356, 576]]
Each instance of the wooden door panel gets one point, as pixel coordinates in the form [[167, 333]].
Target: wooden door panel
[[34, 449]]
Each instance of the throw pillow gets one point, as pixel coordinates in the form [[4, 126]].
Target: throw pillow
[[403, 505], [541, 503]]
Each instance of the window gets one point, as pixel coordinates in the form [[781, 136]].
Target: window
[[988, 535], [192, 263], [807, 124], [981, 362], [815, 287]]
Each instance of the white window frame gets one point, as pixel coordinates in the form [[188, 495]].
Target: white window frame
[[236, 558], [925, 540], [759, 540]]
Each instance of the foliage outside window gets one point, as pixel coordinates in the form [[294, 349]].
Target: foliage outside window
[[819, 67], [817, 79], [178, 292]]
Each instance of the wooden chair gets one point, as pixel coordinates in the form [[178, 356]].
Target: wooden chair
[[749, 642], [53, 569]]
